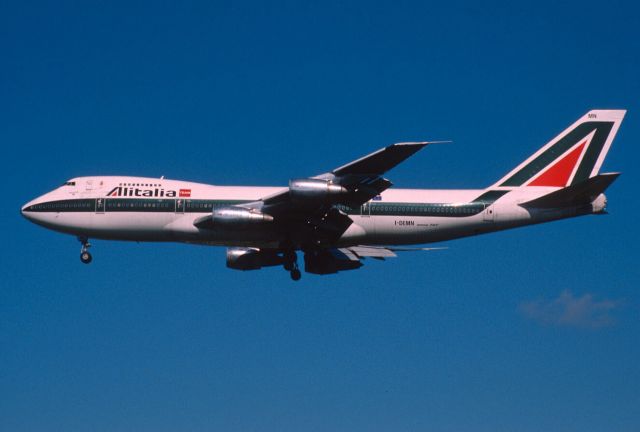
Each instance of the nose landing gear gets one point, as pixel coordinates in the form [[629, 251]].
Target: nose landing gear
[[85, 256]]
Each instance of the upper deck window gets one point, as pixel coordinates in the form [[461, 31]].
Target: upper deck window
[[69, 183]]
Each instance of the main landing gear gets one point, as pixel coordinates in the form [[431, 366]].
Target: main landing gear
[[296, 274], [85, 256], [291, 265]]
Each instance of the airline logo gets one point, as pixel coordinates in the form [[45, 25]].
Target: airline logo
[[571, 159], [184, 193], [124, 191], [559, 173]]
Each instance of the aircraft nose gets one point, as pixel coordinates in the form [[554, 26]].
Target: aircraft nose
[[25, 210]]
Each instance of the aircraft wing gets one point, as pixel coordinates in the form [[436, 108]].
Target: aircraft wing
[[309, 205], [361, 179], [381, 161]]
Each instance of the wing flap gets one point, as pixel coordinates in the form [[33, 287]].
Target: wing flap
[[382, 252], [325, 261], [371, 252]]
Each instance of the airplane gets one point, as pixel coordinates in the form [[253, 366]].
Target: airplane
[[338, 218]]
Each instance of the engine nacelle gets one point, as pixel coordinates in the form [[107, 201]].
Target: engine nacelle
[[238, 217], [240, 258], [315, 190]]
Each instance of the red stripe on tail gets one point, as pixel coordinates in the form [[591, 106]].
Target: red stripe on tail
[[559, 173]]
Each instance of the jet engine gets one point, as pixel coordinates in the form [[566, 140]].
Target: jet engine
[[240, 258], [234, 216], [315, 190]]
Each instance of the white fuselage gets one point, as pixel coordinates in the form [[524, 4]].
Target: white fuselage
[[146, 209]]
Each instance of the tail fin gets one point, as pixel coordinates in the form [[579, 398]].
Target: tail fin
[[572, 157]]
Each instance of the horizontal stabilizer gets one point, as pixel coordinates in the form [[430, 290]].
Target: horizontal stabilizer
[[576, 195]]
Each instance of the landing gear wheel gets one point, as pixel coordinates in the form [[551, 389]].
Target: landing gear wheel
[[290, 259], [295, 274], [85, 257]]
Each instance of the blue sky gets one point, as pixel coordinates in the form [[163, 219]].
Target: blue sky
[[531, 329]]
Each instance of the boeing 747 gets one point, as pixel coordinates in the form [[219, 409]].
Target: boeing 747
[[337, 218]]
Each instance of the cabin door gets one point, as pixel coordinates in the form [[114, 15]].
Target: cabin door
[[100, 205], [180, 203], [365, 209], [489, 214]]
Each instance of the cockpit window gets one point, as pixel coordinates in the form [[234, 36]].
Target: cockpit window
[[69, 183]]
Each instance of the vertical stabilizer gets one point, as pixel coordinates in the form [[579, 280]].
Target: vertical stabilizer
[[572, 157]]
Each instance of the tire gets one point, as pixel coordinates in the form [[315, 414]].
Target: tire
[[296, 274], [86, 257]]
